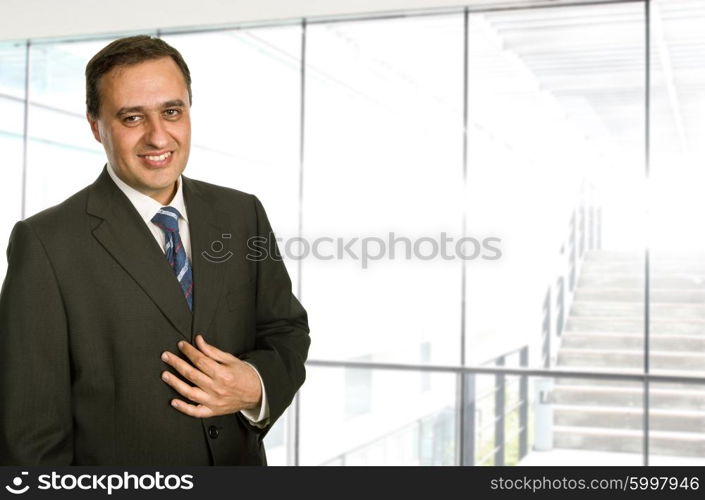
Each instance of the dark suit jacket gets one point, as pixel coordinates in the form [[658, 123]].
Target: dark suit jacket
[[88, 305]]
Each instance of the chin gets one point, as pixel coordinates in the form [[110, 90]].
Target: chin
[[161, 178]]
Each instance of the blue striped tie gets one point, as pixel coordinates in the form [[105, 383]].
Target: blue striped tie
[[168, 220]]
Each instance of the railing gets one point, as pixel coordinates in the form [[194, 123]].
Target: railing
[[509, 407], [433, 435], [584, 233], [469, 373]]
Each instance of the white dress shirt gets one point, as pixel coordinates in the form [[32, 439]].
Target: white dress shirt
[[147, 207]]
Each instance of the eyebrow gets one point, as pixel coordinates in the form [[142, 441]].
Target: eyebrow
[[175, 103]]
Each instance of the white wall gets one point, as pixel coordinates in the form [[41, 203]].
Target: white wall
[[21, 19]]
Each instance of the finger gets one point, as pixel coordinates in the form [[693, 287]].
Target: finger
[[212, 351], [199, 411], [199, 360], [195, 394], [189, 372]]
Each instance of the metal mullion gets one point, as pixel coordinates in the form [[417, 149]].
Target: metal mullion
[[25, 128], [647, 274], [461, 441], [302, 114]]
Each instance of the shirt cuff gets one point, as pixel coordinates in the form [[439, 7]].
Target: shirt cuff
[[259, 417]]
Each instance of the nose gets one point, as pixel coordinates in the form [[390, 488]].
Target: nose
[[156, 135]]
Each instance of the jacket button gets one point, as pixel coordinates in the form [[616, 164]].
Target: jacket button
[[213, 432]]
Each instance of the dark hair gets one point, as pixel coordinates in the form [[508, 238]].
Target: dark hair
[[125, 52]]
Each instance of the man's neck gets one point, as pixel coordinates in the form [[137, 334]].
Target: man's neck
[[165, 197]]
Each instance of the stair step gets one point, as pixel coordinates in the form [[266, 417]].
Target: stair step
[[663, 310], [656, 267], [636, 294], [602, 395], [627, 280], [622, 256], [635, 325], [611, 382], [619, 417], [605, 331], [625, 440], [633, 341], [620, 358]]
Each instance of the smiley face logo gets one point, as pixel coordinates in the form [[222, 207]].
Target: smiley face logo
[[17, 483], [218, 256]]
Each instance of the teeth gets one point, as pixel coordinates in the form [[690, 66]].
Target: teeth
[[158, 158]]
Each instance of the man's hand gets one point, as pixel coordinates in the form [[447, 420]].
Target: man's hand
[[222, 383]]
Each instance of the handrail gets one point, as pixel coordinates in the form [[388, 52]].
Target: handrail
[[494, 370]]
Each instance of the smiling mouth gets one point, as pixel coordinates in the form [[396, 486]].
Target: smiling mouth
[[160, 157]]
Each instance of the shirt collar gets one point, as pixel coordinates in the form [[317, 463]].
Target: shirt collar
[[146, 206]]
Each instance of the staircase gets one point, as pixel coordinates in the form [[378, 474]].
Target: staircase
[[605, 331]]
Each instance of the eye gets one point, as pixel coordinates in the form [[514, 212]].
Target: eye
[[131, 119], [172, 112]]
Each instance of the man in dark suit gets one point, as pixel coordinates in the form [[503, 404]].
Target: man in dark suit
[[135, 328]]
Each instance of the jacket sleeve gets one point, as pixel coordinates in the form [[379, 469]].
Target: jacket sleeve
[[282, 333], [35, 375]]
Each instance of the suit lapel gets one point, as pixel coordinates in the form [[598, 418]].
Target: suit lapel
[[124, 235], [206, 226]]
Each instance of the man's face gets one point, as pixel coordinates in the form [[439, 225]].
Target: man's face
[[145, 125]]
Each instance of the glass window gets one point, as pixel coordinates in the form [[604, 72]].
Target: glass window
[[382, 184], [12, 92], [403, 426], [555, 147], [62, 156], [676, 181], [358, 388]]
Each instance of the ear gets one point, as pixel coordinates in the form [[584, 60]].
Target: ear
[[94, 127]]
